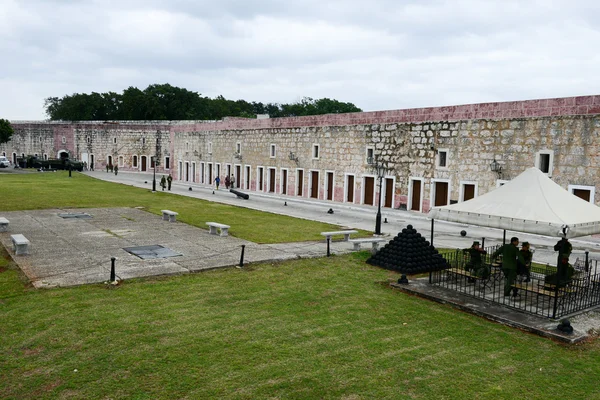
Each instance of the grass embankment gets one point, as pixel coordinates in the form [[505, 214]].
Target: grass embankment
[[56, 190]]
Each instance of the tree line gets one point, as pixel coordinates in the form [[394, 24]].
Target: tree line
[[166, 102]]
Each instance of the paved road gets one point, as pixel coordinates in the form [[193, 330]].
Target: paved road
[[446, 234]]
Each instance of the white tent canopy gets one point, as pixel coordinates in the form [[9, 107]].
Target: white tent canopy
[[530, 203]]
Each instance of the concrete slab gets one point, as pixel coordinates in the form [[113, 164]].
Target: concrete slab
[[75, 251]]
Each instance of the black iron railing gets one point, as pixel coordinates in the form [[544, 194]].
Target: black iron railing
[[547, 293]]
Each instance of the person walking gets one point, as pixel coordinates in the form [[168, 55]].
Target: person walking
[[169, 180], [510, 255], [217, 182], [232, 181], [163, 183], [227, 182], [116, 169]]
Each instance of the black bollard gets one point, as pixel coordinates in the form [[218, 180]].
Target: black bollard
[[385, 221], [285, 203], [112, 269], [242, 256], [328, 247], [69, 171]]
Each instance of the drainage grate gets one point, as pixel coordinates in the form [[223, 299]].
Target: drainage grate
[[151, 252], [75, 215]]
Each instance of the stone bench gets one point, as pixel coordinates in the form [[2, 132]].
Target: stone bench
[[346, 234], [4, 224], [374, 243], [214, 226], [169, 215], [20, 244]]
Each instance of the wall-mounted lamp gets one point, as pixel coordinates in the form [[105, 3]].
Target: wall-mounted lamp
[[237, 156], [294, 157], [197, 154], [496, 167]]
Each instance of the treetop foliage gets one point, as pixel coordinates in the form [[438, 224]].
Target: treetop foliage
[[6, 131], [166, 102]]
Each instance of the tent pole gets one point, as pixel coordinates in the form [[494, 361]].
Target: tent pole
[[504, 237]]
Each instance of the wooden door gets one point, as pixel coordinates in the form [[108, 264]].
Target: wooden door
[[300, 182], [330, 186], [441, 194], [260, 179], [350, 189], [272, 180], [314, 184], [284, 181], [369, 190], [468, 192], [238, 175], [389, 192], [582, 194], [415, 204]]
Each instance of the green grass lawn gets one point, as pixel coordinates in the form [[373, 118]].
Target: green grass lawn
[[318, 328], [56, 190], [303, 329]]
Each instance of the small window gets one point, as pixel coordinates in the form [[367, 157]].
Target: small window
[[544, 164], [315, 154], [209, 147], [134, 163], [41, 139], [143, 141], [370, 155], [187, 145], [238, 147], [35, 155], [45, 156], [442, 158], [544, 160], [64, 140], [88, 139], [114, 140], [167, 163], [272, 153]]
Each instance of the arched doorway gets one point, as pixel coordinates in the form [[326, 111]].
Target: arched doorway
[[63, 155], [144, 162]]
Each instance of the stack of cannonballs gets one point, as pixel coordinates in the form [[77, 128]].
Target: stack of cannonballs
[[409, 253]]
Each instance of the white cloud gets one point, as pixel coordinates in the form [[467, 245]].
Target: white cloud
[[379, 54]]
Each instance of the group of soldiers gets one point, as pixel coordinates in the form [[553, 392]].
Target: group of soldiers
[[517, 261], [166, 181]]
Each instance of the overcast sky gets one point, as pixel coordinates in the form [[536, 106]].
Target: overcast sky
[[377, 54]]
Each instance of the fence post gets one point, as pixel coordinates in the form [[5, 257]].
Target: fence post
[[242, 256], [112, 269], [328, 249]]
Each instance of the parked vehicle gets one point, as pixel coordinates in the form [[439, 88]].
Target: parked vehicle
[[4, 162], [53, 163]]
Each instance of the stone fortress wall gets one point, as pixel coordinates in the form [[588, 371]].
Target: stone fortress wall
[[432, 156]]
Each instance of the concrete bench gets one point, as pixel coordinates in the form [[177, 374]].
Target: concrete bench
[[346, 234], [214, 226], [20, 244], [3, 224], [374, 243], [169, 215]]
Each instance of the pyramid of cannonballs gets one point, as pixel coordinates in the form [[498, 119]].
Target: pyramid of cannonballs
[[409, 253]]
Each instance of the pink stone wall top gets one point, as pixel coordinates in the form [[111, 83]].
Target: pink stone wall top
[[567, 106]]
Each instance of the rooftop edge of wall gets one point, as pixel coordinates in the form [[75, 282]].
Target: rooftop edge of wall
[[564, 106]]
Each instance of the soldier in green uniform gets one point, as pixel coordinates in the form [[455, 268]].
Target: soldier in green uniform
[[510, 255], [475, 263], [565, 271], [169, 180], [524, 268], [163, 183]]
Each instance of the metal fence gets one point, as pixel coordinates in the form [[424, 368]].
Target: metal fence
[[547, 293]]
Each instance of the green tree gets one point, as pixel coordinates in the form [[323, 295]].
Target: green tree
[[6, 131]]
